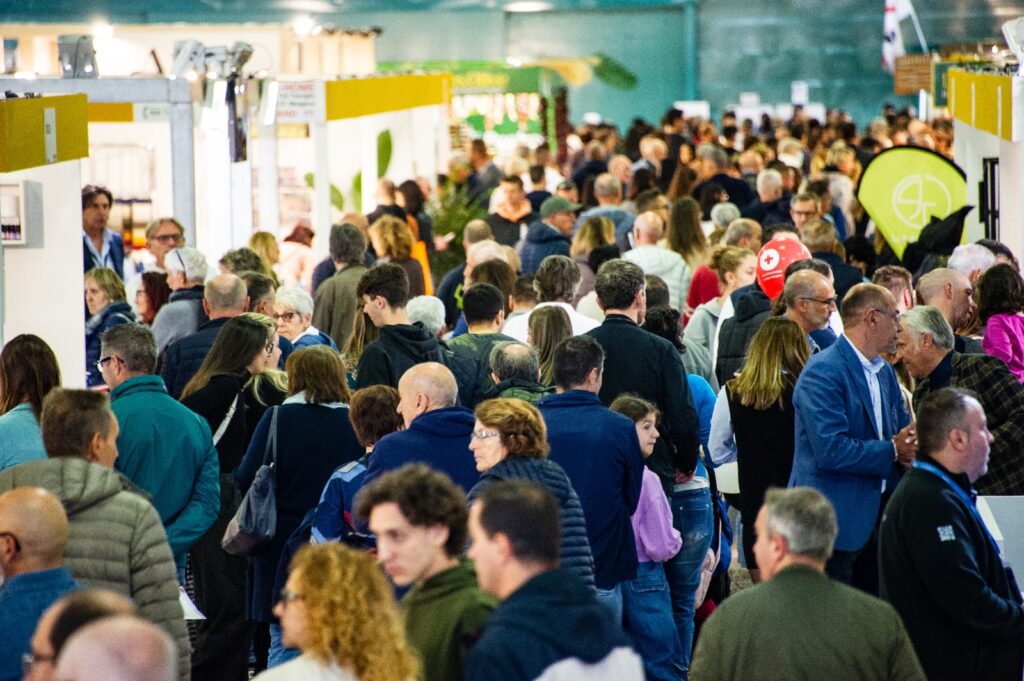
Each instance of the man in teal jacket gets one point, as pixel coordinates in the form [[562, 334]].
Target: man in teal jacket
[[163, 447]]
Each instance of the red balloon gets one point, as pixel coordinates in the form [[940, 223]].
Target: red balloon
[[772, 261]]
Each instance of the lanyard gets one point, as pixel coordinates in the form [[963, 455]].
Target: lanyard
[[936, 471]]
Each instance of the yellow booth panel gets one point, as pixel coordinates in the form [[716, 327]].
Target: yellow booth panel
[[990, 102], [380, 94], [107, 112], [42, 130]]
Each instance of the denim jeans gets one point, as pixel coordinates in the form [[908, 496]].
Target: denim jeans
[[647, 615], [692, 515], [278, 653], [613, 599]]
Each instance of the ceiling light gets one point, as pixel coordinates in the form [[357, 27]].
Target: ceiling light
[[102, 29], [303, 26], [528, 6]]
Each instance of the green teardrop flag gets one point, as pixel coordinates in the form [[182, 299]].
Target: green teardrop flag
[[903, 188]]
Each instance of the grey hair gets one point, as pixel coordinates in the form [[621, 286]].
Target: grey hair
[[927, 319], [607, 186], [188, 261], [427, 310], [967, 258], [710, 152], [805, 518], [801, 284], [295, 298], [134, 344], [513, 359], [740, 229], [347, 244], [722, 214], [769, 181]]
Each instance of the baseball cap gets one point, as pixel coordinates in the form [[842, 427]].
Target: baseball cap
[[558, 204]]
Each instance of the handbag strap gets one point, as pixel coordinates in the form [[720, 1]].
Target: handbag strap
[[223, 427], [271, 450]]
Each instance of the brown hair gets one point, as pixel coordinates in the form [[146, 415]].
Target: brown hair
[[549, 326], [520, 425], [595, 231], [156, 291], [318, 371], [71, 418], [499, 274], [728, 259], [28, 371], [684, 233], [373, 412]]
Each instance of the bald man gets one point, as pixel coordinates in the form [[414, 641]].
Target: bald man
[[119, 648], [648, 229], [33, 536], [437, 431], [62, 619], [953, 294]]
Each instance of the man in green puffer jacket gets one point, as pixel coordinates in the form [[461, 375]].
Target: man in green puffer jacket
[[484, 307], [116, 539]]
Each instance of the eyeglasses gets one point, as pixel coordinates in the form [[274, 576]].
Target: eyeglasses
[[287, 596], [485, 434], [829, 302], [17, 544], [803, 213], [30, 660], [286, 317], [894, 315], [103, 361], [168, 238]]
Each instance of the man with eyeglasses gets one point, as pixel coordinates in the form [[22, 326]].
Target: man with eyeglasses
[[33, 536], [809, 302], [854, 434], [162, 236], [101, 246], [804, 208]]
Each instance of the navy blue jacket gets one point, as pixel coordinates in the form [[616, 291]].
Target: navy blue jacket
[[739, 191], [552, 619], [541, 241], [846, 276], [438, 438], [116, 242], [574, 552], [183, 357], [312, 441], [600, 453], [112, 315]]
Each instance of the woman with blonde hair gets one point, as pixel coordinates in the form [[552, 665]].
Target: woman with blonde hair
[[756, 408], [510, 442], [338, 609], [105, 299], [736, 268], [392, 242], [264, 244], [595, 231], [548, 326]]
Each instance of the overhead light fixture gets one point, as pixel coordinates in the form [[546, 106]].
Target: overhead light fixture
[[77, 57], [189, 59], [528, 6], [513, 62], [102, 29], [303, 25]]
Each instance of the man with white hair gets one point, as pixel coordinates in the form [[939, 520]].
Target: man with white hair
[[621, 168], [654, 259], [609, 192], [119, 648], [925, 344], [770, 206], [183, 314], [784, 623], [429, 311], [722, 215], [971, 260], [953, 294]]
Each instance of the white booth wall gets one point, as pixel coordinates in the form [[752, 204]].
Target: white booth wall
[[42, 287]]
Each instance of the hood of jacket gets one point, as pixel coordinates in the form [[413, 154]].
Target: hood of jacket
[[449, 422], [413, 339], [79, 484], [118, 307], [193, 293], [521, 385], [657, 261], [558, 608], [542, 233]]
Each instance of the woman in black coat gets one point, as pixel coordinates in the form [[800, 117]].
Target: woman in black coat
[[313, 437]]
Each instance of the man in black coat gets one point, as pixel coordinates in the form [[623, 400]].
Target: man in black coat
[[640, 362], [225, 297], [939, 566]]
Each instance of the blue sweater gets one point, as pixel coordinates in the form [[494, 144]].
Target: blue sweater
[[23, 598], [438, 438], [600, 452], [20, 437]]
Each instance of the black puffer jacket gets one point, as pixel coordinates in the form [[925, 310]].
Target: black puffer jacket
[[737, 331], [182, 358]]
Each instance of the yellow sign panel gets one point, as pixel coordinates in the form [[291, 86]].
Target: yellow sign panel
[[42, 130], [984, 101], [103, 112], [368, 96]]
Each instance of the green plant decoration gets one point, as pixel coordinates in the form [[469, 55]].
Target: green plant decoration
[[383, 153], [453, 211], [613, 73], [337, 198], [357, 190]]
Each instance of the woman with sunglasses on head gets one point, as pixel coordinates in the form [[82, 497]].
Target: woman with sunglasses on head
[[223, 392]]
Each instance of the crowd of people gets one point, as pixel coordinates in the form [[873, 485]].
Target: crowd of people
[[508, 470]]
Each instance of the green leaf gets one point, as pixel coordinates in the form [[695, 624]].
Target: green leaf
[[337, 199], [357, 190], [614, 73], [309, 179], [383, 153]]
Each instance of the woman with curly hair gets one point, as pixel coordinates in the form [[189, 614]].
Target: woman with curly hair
[[1001, 310], [392, 242], [338, 609], [510, 441]]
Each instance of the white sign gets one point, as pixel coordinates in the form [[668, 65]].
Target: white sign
[[697, 108], [152, 111], [300, 101], [750, 99], [799, 92]]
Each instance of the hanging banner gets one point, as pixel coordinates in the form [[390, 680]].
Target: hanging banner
[[903, 188]]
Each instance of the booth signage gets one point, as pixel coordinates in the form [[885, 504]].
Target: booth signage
[[300, 101]]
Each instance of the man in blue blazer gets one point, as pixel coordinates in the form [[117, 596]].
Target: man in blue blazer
[[853, 430]]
